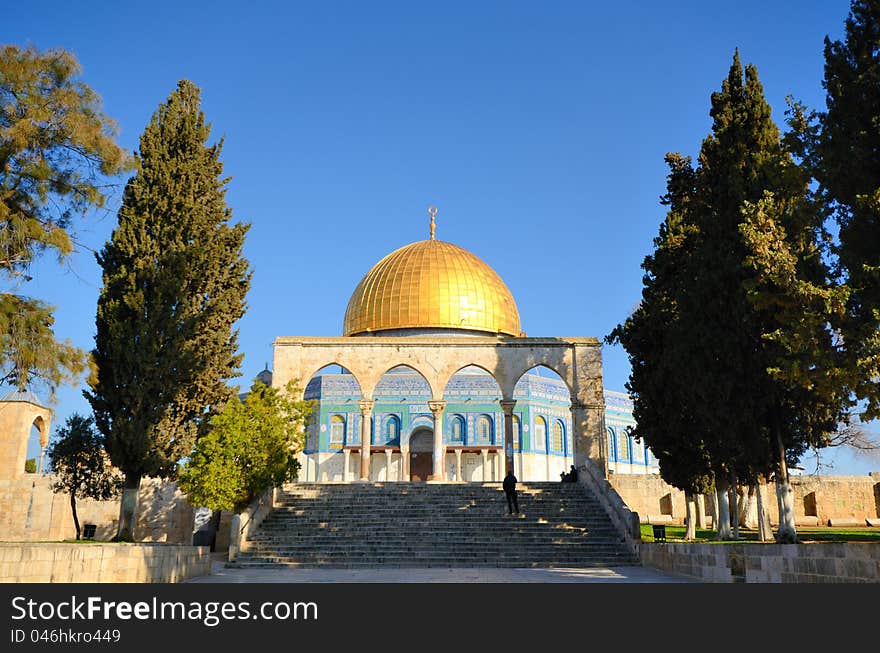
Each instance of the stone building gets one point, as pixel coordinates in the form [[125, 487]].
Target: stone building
[[434, 379]]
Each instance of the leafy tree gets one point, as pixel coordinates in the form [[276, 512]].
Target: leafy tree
[[845, 158], [250, 447], [57, 153], [81, 465], [174, 284]]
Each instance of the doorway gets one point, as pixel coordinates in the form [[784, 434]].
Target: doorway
[[421, 454]]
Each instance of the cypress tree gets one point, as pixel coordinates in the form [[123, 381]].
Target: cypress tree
[[846, 160], [175, 282]]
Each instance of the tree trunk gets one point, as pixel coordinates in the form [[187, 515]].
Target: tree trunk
[[734, 509], [701, 511], [128, 509], [722, 517], [748, 512], [765, 531], [787, 534], [73, 510], [691, 519]]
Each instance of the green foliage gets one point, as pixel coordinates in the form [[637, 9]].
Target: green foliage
[[845, 158], [81, 465], [30, 466], [57, 151], [735, 368], [250, 447], [174, 284]]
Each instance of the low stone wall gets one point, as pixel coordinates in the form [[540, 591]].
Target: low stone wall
[[834, 562], [37, 562], [30, 512], [819, 498]]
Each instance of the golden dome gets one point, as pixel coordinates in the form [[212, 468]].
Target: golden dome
[[431, 284]]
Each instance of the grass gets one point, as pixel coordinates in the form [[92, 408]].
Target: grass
[[675, 533]]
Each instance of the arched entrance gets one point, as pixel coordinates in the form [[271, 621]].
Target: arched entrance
[[421, 453]]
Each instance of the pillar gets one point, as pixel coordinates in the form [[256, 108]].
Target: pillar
[[458, 465], [366, 407], [588, 434], [439, 451], [485, 454], [507, 406], [387, 465], [346, 454]]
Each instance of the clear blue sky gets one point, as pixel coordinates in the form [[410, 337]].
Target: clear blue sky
[[538, 129]]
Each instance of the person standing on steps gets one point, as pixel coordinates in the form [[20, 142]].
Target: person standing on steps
[[509, 486]]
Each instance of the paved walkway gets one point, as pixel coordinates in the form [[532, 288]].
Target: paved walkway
[[220, 574]]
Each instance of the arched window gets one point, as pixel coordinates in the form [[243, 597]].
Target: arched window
[[337, 431], [612, 451], [457, 434], [484, 430], [392, 430], [556, 436], [517, 433], [540, 434], [623, 447]]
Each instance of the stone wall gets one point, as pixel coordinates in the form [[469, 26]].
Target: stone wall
[[31, 562], [819, 497], [30, 511], [835, 562]]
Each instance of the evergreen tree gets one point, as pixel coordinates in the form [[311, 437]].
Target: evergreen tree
[[250, 447], [846, 162], [175, 283], [57, 153], [80, 463]]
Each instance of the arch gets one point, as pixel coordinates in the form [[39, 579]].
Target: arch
[[517, 433], [468, 368], [34, 453], [327, 369], [545, 370], [402, 383]]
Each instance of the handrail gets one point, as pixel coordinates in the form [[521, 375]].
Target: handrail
[[246, 522]]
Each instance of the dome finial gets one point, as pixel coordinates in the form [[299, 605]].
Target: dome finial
[[432, 211]]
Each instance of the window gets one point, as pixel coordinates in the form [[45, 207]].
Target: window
[[457, 429], [516, 433], [540, 434], [611, 450], [623, 447], [392, 430], [484, 430], [556, 436], [337, 431]]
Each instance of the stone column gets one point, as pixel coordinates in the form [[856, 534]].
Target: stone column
[[387, 465], [458, 465], [485, 454], [507, 406], [499, 465], [588, 437], [404, 462], [346, 454], [439, 450], [366, 407]]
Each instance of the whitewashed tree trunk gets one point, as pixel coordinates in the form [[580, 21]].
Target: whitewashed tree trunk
[[691, 520], [701, 511], [765, 531], [748, 515], [734, 509], [787, 533], [722, 516]]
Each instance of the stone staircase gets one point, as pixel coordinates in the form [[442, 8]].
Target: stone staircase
[[434, 525]]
